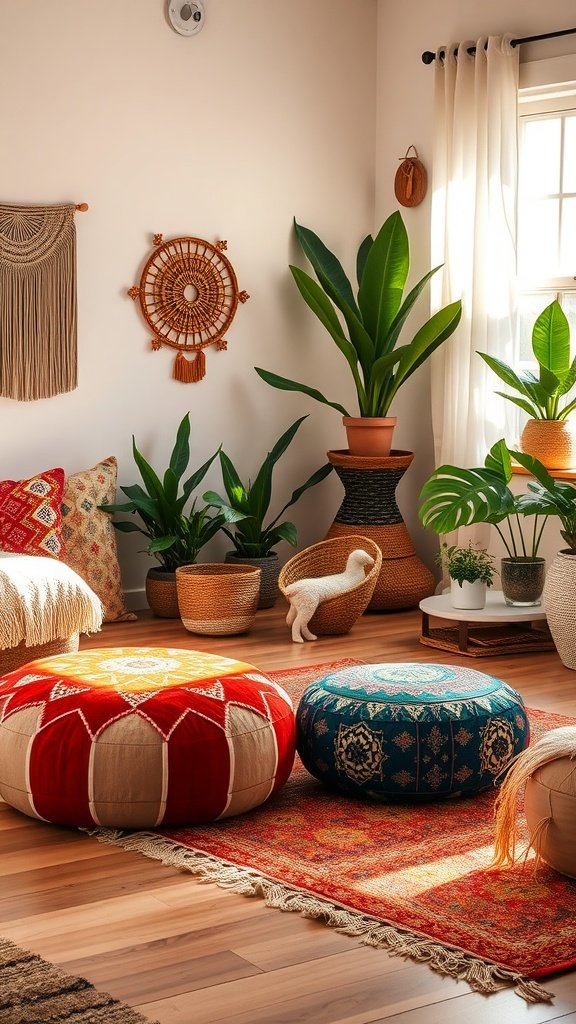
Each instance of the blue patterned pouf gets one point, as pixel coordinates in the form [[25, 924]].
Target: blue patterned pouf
[[410, 730]]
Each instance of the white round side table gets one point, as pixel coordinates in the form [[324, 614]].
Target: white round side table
[[498, 628]]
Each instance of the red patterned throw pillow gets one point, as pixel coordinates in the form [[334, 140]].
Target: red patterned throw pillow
[[30, 516]]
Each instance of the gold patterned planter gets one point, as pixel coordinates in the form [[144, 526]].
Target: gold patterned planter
[[553, 442]]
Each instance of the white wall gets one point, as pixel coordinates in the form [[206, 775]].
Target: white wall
[[404, 118], [268, 113]]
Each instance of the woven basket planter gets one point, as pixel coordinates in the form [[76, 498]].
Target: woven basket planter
[[269, 568], [553, 442], [161, 593], [560, 603], [217, 599], [13, 657], [338, 614]]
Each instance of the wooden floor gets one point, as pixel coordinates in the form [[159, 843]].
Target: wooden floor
[[183, 951]]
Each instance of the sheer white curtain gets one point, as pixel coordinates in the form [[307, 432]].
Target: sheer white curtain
[[474, 235]]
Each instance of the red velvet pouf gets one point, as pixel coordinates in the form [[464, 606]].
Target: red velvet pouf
[[140, 737]]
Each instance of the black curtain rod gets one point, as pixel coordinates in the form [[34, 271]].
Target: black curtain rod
[[428, 57]]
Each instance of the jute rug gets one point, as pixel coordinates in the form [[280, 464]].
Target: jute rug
[[414, 879], [33, 991]]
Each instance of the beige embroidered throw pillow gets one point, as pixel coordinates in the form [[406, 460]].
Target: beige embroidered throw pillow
[[88, 538]]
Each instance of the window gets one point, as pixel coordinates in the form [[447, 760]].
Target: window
[[546, 212]]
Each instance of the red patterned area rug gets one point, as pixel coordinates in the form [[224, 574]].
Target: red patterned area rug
[[411, 878]]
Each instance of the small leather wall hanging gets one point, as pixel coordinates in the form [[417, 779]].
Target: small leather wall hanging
[[188, 296], [411, 180]]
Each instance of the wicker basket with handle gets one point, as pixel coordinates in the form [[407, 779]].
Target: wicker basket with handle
[[337, 614], [217, 599]]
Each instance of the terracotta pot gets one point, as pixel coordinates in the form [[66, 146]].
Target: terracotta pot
[[560, 601], [522, 580], [369, 435], [553, 442], [161, 593], [269, 566]]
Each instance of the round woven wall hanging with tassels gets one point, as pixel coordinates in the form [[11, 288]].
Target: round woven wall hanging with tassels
[[188, 295]]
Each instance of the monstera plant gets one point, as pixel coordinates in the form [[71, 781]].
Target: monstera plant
[[366, 328]]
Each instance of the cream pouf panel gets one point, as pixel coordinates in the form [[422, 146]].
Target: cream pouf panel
[[547, 773], [139, 737]]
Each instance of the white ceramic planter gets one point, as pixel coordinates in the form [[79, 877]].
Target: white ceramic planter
[[469, 595]]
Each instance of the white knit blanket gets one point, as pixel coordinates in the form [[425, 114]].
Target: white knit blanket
[[42, 600]]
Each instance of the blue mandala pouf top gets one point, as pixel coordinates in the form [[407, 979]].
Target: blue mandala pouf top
[[410, 730]]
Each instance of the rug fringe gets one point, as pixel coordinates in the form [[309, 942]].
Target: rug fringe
[[481, 975]]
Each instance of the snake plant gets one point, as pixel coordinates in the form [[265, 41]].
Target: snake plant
[[175, 536], [246, 505], [373, 320]]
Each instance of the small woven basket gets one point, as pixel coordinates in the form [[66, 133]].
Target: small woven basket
[[14, 657], [338, 614], [217, 599]]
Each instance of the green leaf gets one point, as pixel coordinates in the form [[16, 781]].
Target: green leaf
[[233, 485], [522, 403], [125, 526], [499, 461], [551, 340], [320, 304], [286, 531], [193, 481], [231, 515], [291, 385], [180, 456], [534, 466], [362, 256], [326, 265], [161, 544], [170, 485], [430, 336], [388, 341], [384, 277], [261, 490], [315, 478], [285, 440], [569, 380], [360, 346], [456, 497], [151, 481]]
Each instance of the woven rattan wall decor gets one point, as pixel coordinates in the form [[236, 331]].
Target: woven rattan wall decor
[[188, 296], [38, 333], [411, 180]]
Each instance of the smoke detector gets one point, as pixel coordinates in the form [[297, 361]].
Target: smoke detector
[[186, 18]]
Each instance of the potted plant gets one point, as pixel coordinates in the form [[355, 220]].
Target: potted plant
[[471, 570], [547, 435], [175, 536], [246, 507], [455, 497], [373, 324]]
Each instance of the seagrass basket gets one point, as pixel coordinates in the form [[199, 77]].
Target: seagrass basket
[[337, 614], [216, 599]]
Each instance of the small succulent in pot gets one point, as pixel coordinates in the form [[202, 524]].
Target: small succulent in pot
[[467, 565]]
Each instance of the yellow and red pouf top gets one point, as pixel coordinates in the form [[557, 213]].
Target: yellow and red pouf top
[[202, 735]]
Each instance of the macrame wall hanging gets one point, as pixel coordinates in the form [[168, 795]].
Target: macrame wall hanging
[[188, 295], [411, 180], [38, 343]]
